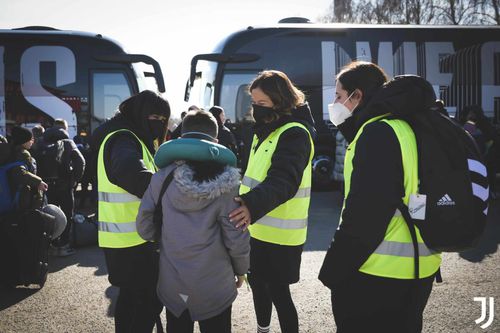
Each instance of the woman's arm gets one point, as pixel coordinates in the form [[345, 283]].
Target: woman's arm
[[375, 192], [125, 166], [284, 175]]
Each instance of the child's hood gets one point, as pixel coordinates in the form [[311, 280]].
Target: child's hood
[[191, 195]]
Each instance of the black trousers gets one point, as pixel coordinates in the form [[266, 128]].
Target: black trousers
[[265, 294], [366, 303], [62, 195], [136, 311], [135, 271], [218, 324]]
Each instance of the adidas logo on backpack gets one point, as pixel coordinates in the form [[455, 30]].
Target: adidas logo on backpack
[[446, 201]]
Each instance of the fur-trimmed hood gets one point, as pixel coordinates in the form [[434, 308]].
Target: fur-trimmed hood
[[192, 195]]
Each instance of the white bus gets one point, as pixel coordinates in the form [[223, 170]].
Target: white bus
[[462, 63]]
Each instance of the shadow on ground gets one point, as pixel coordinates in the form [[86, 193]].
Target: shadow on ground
[[10, 296], [90, 256], [488, 243], [324, 213]]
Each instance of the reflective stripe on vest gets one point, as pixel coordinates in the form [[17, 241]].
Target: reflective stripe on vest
[[287, 223], [117, 209], [393, 257], [301, 192], [117, 197], [402, 249]]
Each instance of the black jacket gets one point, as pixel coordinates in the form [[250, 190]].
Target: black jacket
[[133, 267], [287, 165], [123, 155], [377, 185], [226, 138], [72, 158]]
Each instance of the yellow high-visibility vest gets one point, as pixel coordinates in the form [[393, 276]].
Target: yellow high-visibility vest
[[117, 208], [394, 257], [287, 223]]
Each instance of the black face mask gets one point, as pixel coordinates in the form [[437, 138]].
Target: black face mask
[[157, 128], [260, 113]]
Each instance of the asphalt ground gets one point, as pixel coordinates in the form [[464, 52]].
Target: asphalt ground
[[78, 298]]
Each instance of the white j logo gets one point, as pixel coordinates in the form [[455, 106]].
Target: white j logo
[[484, 311]]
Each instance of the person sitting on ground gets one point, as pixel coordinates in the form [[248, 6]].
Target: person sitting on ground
[[201, 251]]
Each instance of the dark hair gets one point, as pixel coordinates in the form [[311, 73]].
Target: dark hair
[[216, 112], [204, 122], [61, 123], [137, 108], [471, 112], [37, 131], [144, 104], [205, 170], [200, 121], [365, 76], [284, 95], [439, 107]]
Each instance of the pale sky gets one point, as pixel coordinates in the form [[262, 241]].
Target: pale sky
[[172, 32]]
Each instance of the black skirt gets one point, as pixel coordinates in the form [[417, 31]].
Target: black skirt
[[274, 263]]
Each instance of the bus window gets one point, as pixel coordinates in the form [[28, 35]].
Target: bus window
[[243, 102], [108, 91], [234, 87]]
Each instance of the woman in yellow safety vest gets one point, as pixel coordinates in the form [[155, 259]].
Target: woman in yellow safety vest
[[369, 266], [275, 195], [125, 146]]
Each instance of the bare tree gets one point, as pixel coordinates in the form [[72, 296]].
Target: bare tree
[[419, 11], [457, 12], [491, 11], [414, 11]]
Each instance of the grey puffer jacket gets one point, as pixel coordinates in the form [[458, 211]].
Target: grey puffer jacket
[[200, 250]]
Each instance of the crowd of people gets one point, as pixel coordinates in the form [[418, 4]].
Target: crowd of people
[[50, 169], [184, 237]]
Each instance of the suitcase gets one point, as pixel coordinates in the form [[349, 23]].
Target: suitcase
[[25, 243]]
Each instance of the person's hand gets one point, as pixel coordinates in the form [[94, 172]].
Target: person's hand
[[241, 215], [43, 186], [239, 280]]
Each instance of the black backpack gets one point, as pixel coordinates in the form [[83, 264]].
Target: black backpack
[[49, 158], [452, 173]]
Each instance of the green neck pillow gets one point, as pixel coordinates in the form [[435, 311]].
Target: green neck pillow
[[193, 150]]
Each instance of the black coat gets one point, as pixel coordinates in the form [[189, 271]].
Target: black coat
[[72, 159], [273, 263], [131, 267], [375, 192], [377, 183], [123, 155], [287, 165], [226, 138]]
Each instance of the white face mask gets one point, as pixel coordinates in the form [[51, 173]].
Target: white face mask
[[338, 112]]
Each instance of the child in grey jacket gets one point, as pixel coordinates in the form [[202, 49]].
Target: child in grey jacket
[[201, 251]]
